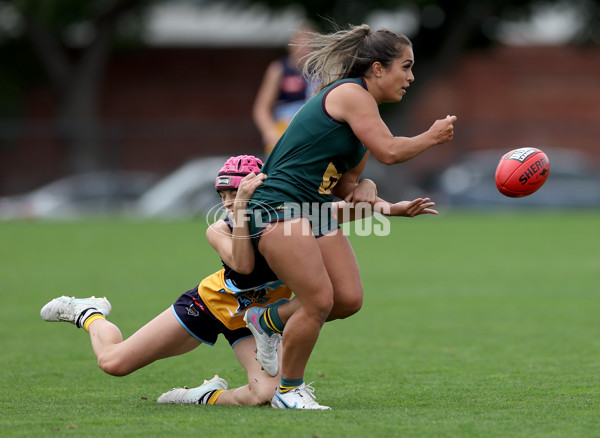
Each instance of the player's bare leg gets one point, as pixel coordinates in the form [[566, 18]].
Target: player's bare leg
[[291, 262], [342, 269], [260, 388], [160, 338]]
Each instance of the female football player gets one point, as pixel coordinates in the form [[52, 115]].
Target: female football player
[[323, 153]]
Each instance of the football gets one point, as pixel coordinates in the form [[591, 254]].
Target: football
[[521, 172]]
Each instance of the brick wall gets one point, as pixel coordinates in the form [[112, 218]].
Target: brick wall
[[162, 107], [158, 109]]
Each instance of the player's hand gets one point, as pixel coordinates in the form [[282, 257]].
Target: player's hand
[[247, 186], [412, 208], [442, 130]]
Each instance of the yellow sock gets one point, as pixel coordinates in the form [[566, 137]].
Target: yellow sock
[[91, 319], [275, 325], [213, 398]]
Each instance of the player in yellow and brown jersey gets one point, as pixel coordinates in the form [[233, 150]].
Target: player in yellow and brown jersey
[[214, 307]]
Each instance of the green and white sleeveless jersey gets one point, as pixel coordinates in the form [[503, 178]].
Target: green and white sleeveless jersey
[[311, 156]]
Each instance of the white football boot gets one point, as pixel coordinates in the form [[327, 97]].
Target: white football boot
[[187, 395], [301, 397], [71, 309], [266, 345]]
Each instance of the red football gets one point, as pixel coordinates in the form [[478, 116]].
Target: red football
[[521, 172]]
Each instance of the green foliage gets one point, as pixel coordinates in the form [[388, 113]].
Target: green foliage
[[474, 325]]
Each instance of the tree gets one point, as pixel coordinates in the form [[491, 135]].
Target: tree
[[75, 73]]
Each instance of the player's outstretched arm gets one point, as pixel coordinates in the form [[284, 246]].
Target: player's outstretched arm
[[347, 212], [363, 202], [412, 208], [356, 106]]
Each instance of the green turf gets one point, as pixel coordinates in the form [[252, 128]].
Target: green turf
[[473, 325]]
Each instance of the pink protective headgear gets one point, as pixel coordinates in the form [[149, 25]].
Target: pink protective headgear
[[234, 169]]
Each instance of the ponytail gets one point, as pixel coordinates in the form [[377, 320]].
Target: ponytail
[[350, 53]]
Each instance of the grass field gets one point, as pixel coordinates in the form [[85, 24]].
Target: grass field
[[474, 325]]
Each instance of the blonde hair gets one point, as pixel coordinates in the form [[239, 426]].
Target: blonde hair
[[349, 53]]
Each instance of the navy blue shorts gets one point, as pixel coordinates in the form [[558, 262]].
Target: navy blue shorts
[[194, 316]]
